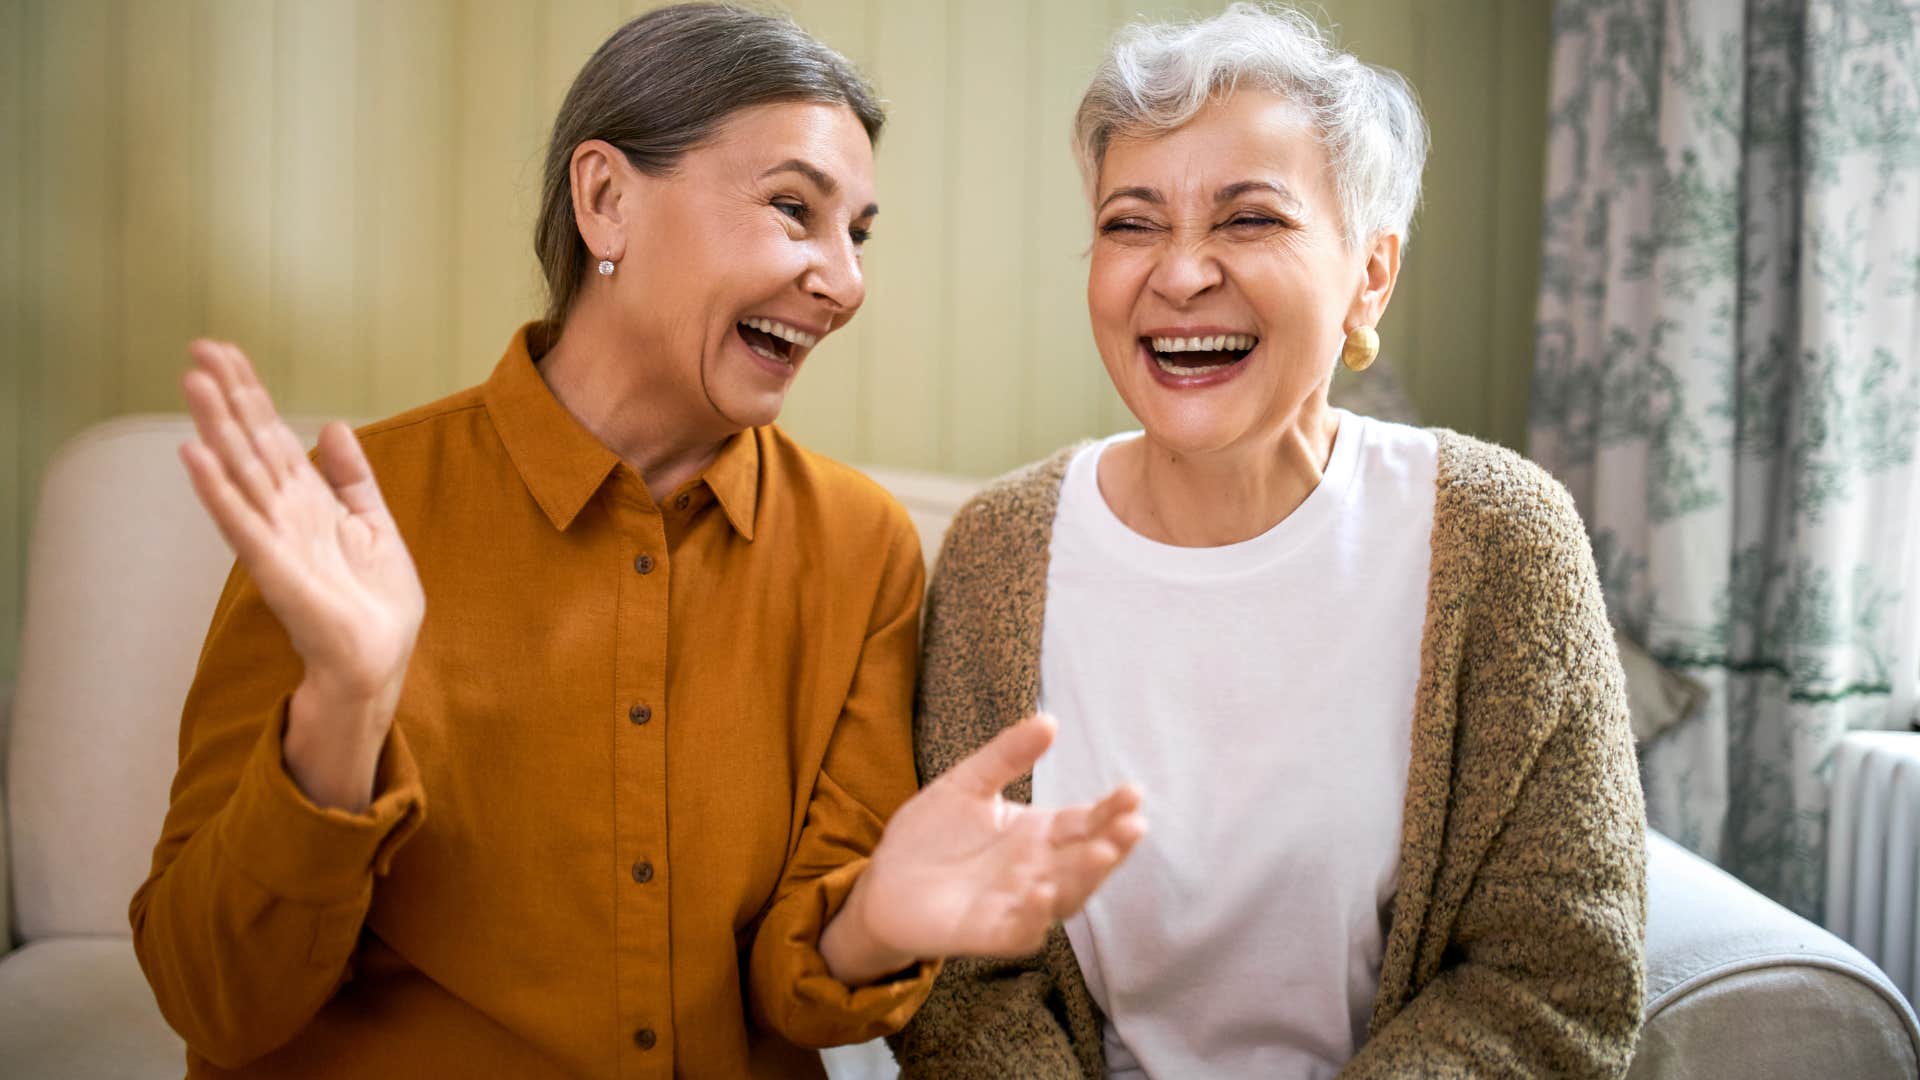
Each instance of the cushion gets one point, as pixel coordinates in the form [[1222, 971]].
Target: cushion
[[122, 573], [80, 1007], [1657, 696]]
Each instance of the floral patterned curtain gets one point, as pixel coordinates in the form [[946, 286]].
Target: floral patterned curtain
[[1727, 376]]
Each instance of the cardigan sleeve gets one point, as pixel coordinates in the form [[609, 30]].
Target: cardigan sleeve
[[1541, 968], [987, 1018]]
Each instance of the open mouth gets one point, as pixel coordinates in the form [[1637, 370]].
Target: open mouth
[[1190, 356], [772, 339]]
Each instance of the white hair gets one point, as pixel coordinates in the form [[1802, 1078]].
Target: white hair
[[1157, 76]]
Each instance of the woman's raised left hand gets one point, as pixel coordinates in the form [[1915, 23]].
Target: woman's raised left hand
[[962, 871]]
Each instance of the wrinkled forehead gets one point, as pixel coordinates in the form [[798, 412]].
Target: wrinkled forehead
[[824, 137], [1250, 135]]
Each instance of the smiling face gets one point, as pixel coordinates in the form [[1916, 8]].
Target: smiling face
[[1221, 285], [740, 261]]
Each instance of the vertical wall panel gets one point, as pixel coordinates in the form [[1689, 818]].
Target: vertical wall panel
[[403, 267], [986, 373], [18, 43], [349, 190], [77, 165], [568, 33], [1377, 31], [1382, 32], [1456, 257], [501, 132], [236, 190], [571, 30], [1067, 389], [160, 253], [908, 334], [826, 403], [315, 208]]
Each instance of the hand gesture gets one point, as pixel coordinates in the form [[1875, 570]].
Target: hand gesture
[[962, 871], [318, 542]]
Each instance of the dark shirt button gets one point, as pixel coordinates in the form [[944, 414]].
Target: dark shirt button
[[644, 1039], [640, 714], [644, 564], [681, 502], [643, 871]]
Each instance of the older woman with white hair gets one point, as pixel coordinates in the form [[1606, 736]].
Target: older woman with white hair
[[1362, 672]]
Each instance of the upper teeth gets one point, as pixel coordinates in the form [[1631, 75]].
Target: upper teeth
[[1230, 342], [782, 331]]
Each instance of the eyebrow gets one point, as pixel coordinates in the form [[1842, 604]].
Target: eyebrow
[[1234, 191], [1144, 194], [1153, 197], [821, 180]]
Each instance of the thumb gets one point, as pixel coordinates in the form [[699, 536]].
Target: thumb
[[1005, 758], [345, 467]]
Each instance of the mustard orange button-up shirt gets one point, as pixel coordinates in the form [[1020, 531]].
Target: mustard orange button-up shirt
[[641, 755]]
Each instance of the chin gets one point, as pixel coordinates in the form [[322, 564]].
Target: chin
[[750, 416], [1191, 427], [746, 409], [1186, 442], [745, 396]]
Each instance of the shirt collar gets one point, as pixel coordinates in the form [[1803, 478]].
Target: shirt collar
[[734, 479], [563, 464]]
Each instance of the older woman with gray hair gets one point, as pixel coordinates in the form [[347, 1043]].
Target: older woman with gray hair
[[1362, 672]]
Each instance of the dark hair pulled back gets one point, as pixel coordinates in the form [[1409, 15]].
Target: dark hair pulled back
[[661, 86]]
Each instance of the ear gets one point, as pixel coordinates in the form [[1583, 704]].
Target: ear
[[1380, 271], [604, 189]]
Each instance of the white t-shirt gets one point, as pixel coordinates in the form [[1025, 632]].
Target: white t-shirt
[[1261, 694]]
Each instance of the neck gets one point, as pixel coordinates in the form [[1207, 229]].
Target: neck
[[596, 378], [1223, 496]]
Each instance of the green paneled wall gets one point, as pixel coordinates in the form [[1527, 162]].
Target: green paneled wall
[[347, 188]]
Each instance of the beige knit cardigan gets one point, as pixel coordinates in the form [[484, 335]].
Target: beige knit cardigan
[[1516, 943]]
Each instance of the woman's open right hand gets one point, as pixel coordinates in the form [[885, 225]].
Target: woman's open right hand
[[328, 561]]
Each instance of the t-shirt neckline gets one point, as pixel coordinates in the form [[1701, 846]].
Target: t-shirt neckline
[[1083, 496]]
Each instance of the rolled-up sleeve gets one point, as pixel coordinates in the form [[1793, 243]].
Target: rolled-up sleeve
[[867, 773]]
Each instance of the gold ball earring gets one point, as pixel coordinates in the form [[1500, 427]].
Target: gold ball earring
[[1363, 344]]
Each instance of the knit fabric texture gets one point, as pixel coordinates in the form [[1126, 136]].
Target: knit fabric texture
[[1516, 946]]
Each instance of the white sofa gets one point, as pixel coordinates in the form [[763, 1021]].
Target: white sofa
[[123, 571]]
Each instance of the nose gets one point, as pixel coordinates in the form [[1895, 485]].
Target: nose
[[1183, 273], [834, 276]]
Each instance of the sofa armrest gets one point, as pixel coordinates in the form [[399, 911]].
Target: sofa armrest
[[1741, 988]]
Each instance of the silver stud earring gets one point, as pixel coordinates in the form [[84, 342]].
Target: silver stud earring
[[606, 267]]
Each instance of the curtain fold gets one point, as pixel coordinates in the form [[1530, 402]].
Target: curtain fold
[[1727, 377]]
